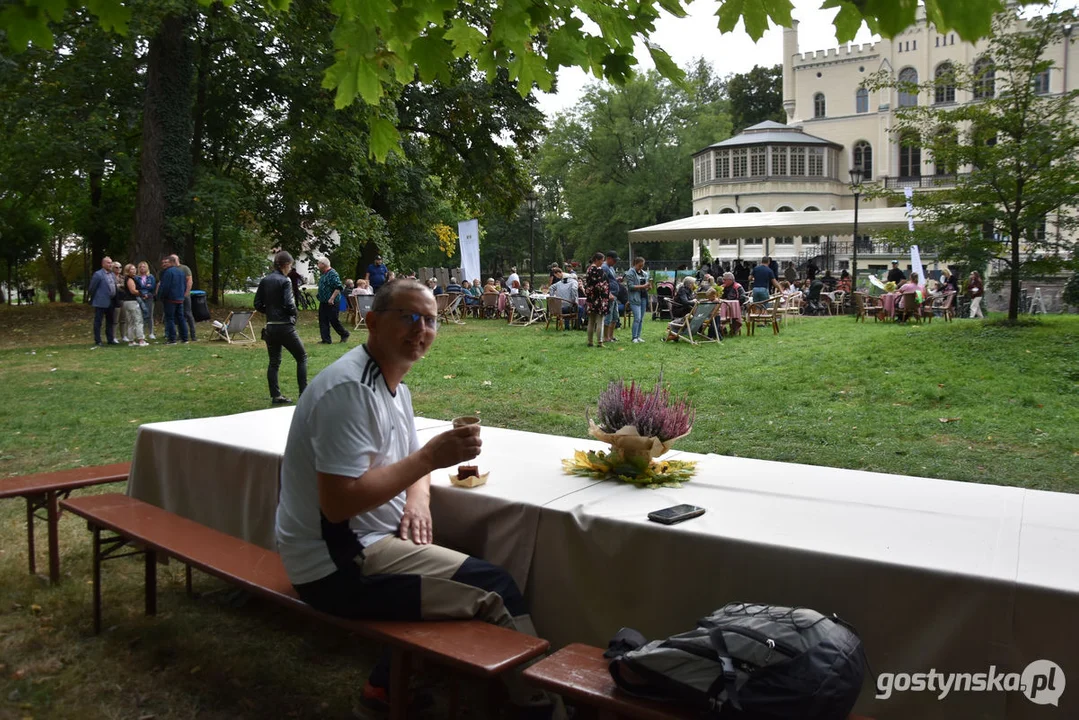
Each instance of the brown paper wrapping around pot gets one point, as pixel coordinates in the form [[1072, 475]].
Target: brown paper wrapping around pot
[[631, 443]]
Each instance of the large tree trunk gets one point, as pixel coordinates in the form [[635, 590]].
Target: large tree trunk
[[199, 115], [165, 155], [98, 236], [55, 260], [215, 287]]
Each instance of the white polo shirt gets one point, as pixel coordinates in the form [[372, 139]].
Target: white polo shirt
[[345, 423]]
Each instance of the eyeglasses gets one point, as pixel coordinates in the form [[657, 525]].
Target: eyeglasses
[[413, 318]]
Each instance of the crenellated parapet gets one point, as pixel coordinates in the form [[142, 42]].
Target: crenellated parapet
[[846, 52]]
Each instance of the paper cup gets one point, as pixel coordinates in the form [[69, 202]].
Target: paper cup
[[459, 422]]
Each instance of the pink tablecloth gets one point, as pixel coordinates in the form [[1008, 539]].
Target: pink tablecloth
[[503, 298], [888, 301], [730, 310]]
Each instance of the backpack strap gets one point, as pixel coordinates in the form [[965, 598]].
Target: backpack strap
[[726, 679]]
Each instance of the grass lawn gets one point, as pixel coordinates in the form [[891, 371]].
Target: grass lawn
[[826, 391]]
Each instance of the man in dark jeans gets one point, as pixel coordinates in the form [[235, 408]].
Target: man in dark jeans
[[329, 291], [274, 299]]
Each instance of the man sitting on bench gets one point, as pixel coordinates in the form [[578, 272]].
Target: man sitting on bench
[[353, 521]]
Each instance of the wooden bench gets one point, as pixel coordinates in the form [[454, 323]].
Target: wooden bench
[[43, 491], [579, 674], [470, 646]]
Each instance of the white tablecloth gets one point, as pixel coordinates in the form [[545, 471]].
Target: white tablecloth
[[939, 575], [924, 569], [220, 471]]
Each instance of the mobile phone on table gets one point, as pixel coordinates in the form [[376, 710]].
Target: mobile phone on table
[[676, 514]]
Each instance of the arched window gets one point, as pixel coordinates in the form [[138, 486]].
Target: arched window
[[705, 212], [863, 159], [908, 87], [726, 211], [910, 156], [985, 76], [818, 105], [752, 209], [945, 84], [861, 100]]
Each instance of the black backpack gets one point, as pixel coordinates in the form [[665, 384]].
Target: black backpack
[[748, 661]]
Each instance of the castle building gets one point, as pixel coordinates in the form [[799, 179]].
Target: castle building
[[835, 124]]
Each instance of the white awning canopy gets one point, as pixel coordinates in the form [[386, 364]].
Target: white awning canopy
[[772, 224]]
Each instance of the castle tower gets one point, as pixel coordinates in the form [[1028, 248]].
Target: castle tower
[[790, 51]]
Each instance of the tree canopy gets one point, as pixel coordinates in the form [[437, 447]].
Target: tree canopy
[[380, 45], [621, 159]]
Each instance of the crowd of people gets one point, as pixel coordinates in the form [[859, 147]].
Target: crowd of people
[[124, 296]]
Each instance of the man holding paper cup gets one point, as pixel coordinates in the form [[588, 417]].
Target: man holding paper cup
[[353, 521]]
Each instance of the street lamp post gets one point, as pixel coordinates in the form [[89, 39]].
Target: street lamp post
[[856, 177], [532, 202]]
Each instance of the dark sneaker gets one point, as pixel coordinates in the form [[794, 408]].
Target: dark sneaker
[[345, 337], [280, 400]]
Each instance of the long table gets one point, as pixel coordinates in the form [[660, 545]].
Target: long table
[[936, 575]]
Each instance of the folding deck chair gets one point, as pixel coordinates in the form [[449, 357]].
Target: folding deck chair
[[363, 306], [450, 311], [236, 328], [694, 326], [523, 312]]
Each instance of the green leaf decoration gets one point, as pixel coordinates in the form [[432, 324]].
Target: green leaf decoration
[[384, 138], [636, 470]]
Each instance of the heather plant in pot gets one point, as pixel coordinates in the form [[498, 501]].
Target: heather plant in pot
[[638, 423]]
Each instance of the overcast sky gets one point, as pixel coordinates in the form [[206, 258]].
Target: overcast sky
[[696, 35]]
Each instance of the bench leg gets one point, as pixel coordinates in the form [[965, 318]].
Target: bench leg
[[30, 533], [151, 582], [400, 669], [97, 578], [53, 508]]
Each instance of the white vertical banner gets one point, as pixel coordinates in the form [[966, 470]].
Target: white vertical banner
[[468, 232], [909, 192], [916, 264]]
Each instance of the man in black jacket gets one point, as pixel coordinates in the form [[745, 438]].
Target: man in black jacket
[[274, 299]]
